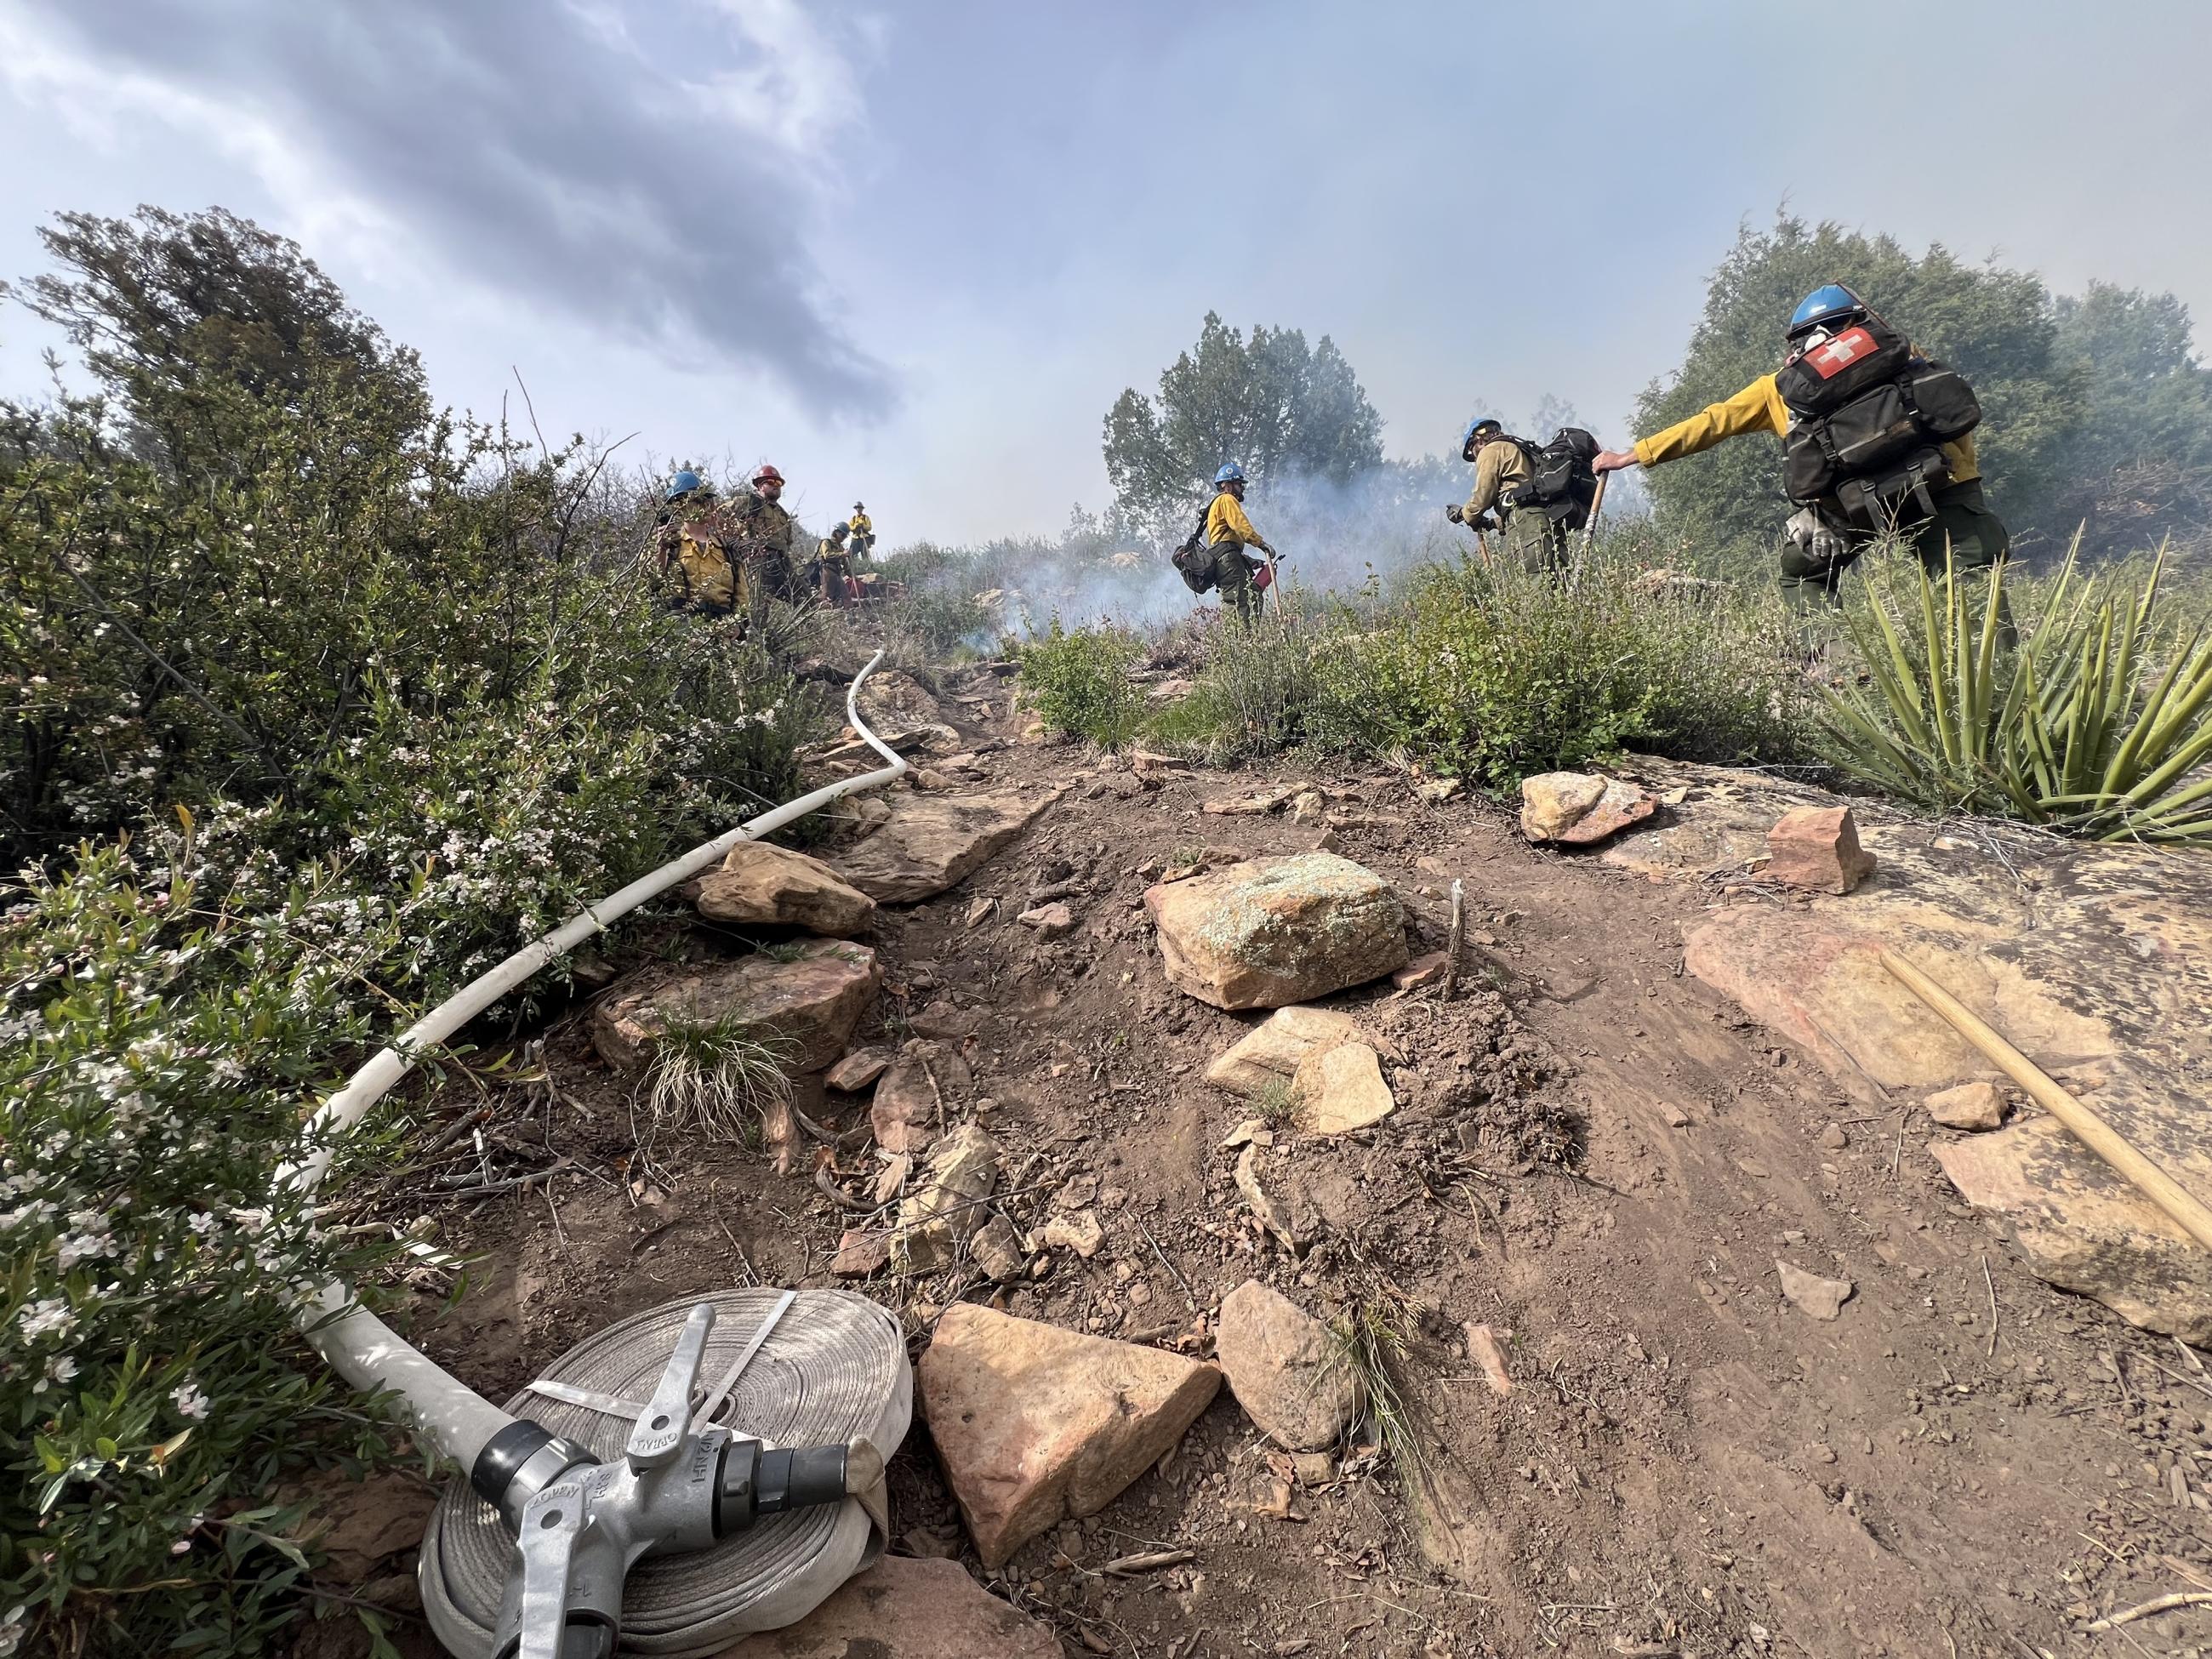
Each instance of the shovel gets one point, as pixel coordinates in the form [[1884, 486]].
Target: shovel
[[1597, 505]]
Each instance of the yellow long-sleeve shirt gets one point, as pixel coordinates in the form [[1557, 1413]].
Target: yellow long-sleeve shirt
[[1226, 521], [1759, 407]]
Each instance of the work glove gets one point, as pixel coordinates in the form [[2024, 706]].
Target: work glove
[[1452, 512], [1484, 523]]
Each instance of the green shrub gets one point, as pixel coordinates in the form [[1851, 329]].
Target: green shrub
[[1495, 674], [2096, 725], [382, 695], [157, 1046], [1078, 682]]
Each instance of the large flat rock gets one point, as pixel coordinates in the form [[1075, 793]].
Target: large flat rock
[[1275, 931], [2095, 961], [933, 843], [1036, 1424], [907, 1608], [810, 999], [2082, 1227], [775, 886]]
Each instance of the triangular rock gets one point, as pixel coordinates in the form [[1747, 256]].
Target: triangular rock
[[1036, 1424]]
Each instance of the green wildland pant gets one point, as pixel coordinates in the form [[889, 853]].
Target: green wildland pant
[[1538, 540], [1232, 575], [1962, 529]]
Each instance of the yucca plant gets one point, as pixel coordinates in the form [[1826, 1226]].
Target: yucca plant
[[2094, 724]]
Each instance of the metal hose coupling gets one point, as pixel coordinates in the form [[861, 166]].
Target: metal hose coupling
[[580, 1524]]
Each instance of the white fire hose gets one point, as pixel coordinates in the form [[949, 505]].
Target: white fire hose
[[752, 1504]]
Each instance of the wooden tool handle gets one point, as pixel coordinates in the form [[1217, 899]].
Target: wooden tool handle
[[2185, 1211]]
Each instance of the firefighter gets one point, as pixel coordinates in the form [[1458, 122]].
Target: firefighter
[[863, 531], [1501, 467], [833, 570], [1946, 519], [691, 541], [766, 531], [1228, 533]]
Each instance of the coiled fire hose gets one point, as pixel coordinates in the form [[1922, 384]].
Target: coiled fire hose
[[747, 1508], [834, 1369]]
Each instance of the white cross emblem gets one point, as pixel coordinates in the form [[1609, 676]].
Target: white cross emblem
[[1841, 349]]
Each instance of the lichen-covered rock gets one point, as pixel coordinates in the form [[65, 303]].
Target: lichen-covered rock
[[809, 1004], [1273, 931]]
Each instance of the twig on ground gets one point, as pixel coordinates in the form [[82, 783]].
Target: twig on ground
[[1991, 1284], [559, 1231], [1189, 1295], [510, 1183], [1151, 1561], [2152, 1607], [1456, 937], [837, 1195]]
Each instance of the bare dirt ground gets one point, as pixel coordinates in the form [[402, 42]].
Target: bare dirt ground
[[1593, 1153]]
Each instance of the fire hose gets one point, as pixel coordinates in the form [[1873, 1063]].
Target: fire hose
[[748, 1505]]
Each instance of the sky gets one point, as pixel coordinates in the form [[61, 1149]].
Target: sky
[[913, 253]]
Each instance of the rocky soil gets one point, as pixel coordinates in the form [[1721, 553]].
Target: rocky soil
[[1687, 1345]]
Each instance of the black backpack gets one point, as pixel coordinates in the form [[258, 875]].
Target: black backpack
[[1193, 560], [1869, 419], [1561, 484]]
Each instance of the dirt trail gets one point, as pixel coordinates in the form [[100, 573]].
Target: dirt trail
[[1686, 1462]]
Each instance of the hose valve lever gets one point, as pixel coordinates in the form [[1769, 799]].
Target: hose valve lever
[[663, 1424]]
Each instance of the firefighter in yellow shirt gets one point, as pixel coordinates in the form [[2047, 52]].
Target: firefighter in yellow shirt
[[1951, 518], [691, 541], [1501, 466], [1228, 533], [863, 531]]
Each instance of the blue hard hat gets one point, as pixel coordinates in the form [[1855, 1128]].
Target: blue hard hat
[[1475, 426], [1824, 306], [682, 484], [1229, 472]]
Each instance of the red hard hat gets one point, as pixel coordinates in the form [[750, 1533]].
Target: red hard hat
[[766, 473]]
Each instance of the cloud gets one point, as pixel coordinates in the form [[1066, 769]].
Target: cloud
[[648, 169]]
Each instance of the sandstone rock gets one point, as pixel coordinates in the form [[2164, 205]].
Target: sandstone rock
[[1277, 1358], [2082, 1227], [1823, 1298], [812, 1005], [1051, 920], [1272, 1215], [860, 1253], [1421, 970], [1437, 791], [775, 886], [1308, 805], [1036, 1425], [947, 1020], [946, 1206], [1483, 1348], [1340, 1089], [1968, 1106], [982, 911], [1078, 1230], [1554, 801], [912, 1095], [1272, 1050], [998, 1249], [1834, 1138], [904, 1608], [857, 1069], [1577, 809], [1267, 800], [1817, 848], [892, 701], [930, 843], [1273, 931]]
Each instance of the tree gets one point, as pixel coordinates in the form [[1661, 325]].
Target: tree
[[1271, 403], [1997, 327], [2142, 462], [173, 311]]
